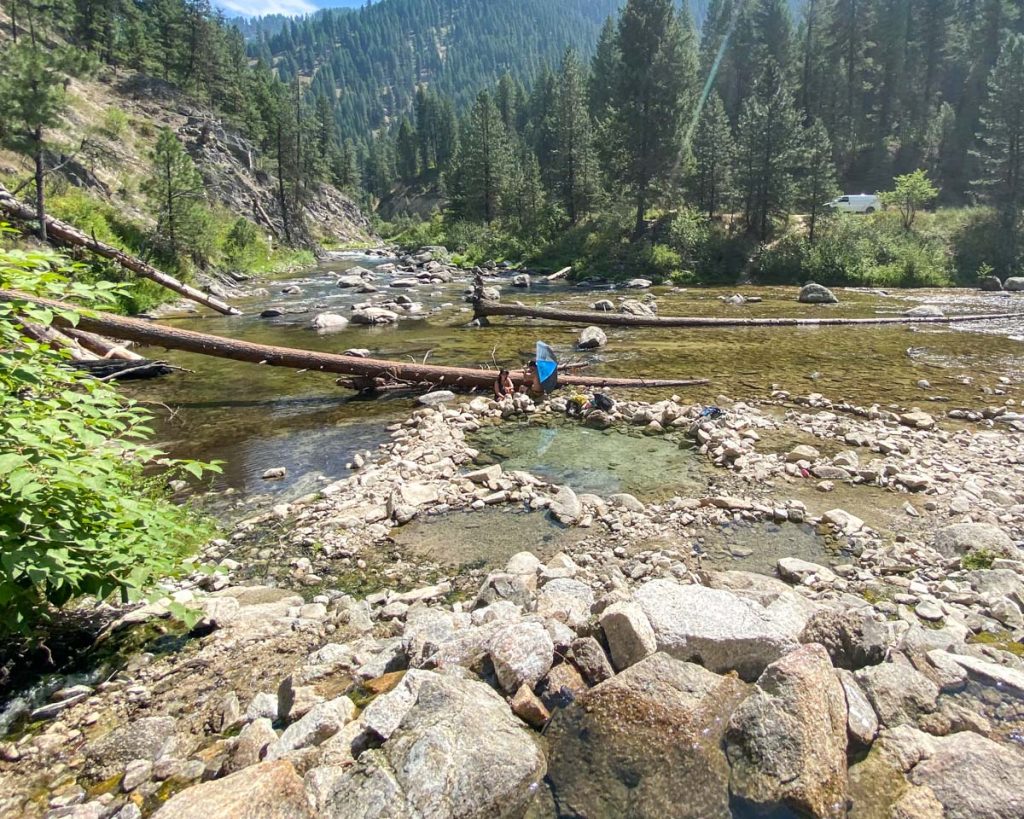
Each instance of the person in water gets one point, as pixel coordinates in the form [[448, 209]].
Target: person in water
[[503, 386], [531, 380]]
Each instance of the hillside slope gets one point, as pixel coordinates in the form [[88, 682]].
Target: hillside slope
[[108, 133]]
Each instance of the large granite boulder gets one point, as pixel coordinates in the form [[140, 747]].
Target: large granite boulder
[[269, 790], [813, 293], [717, 628], [645, 743], [457, 751], [899, 693], [963, 538], [786, 742]]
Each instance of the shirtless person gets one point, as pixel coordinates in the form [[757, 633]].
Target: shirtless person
[[503, 386]]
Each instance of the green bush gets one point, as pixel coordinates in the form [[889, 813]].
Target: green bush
[[115, 123], [77, 516]]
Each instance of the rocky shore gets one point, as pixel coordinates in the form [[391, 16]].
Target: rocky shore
[[331, 674]]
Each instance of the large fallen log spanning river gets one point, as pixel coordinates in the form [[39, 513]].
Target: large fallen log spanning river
[[485, 309], [368, 372], [65, 234]]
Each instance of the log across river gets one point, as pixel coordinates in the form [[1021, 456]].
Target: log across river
[[492, 308], [366, 372]]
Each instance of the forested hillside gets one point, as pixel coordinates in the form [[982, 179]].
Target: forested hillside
[[372, 60]]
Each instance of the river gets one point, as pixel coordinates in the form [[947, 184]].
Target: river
[[254, 418]]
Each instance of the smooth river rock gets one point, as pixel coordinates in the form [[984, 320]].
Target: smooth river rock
[[813, 293], [591, 338]]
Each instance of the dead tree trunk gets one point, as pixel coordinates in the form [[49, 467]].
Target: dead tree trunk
[[485, 308], [158, 335], [65, 234]]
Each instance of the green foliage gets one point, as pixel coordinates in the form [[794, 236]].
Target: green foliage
[[912, 192], [978, 559], [175, 193], [77, 515], [115, 123], [853, 250]]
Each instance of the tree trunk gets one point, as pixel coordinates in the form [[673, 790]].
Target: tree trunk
[[173, 338], [40, 186], [641, 208], [65, 234], [490, 308]]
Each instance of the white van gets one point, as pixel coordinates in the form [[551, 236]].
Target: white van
[[855, 203]]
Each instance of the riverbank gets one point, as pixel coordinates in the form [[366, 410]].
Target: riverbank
[[331, 656]]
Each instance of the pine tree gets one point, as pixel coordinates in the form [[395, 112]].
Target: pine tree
[[523, 199], [406, 151], [816, 182], [175, 194], [32, 99], [713, 153], [483, 164], [604, 71], [767, 143], [1001, 142], [655, 76], [575, 170]]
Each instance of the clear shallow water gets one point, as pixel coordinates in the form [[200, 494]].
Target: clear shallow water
[[256, 417], [484, 539], [600, 461], [757, 547]]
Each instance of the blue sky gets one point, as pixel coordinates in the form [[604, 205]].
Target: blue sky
[[255, 8]]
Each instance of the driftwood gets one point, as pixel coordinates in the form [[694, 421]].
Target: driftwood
[[100, 346], [57, 340], [65, 234], [159, 335], [484, 308]]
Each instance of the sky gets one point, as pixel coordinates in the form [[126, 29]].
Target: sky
[[258, 8]]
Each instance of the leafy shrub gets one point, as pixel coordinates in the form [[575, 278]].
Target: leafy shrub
[[76, 515], [115, 123], [245, 247]]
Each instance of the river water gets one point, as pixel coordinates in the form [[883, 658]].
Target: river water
[[254, 418]]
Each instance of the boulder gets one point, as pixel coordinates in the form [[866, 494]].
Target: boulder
[[588, 656], [602, 306], [591, 338], [802, 452], [852, 638], [566, 507], [1014, 284], [628, 633], [567, 601], [786, 742], [458, 752], [350, 281], [329, 322], [646, 743], [796, 570], [861, 719], [963, 538], [521, 280], [641, 284], [373, 315], [925, 311], [269, 790], [721, 630], [403, 283], [813, 293], [143, 738], [252, 744], [990, 284], [436, 398], [973, 777], [320, 723], [637, 308], [899, 693], [521, 653]]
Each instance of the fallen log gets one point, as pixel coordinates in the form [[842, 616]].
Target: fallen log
[[483, 309], [112, 369], [159, 335], [62, 233], [57, 340]]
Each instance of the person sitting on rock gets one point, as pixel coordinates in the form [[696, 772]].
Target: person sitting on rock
[[531, 380], [503, 386]]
